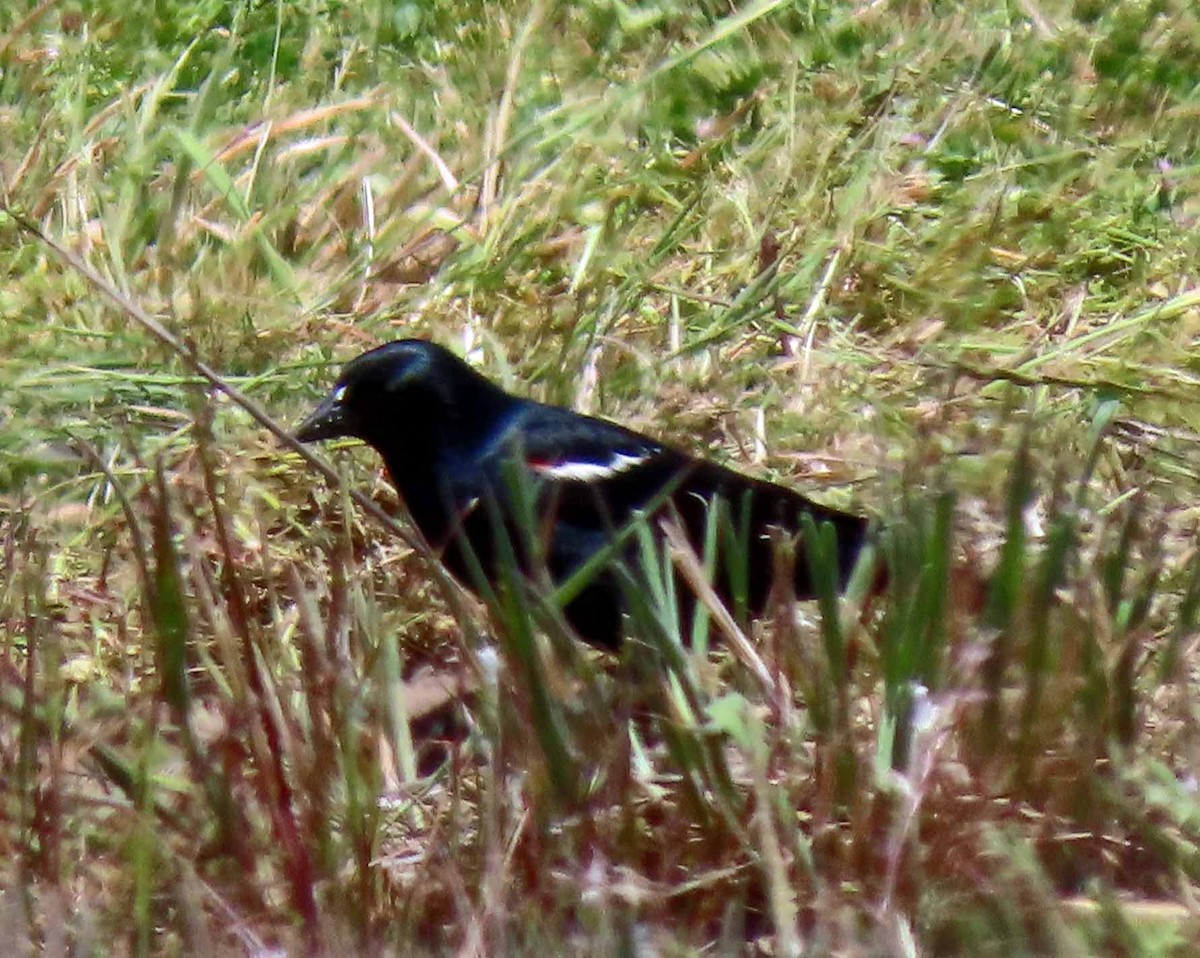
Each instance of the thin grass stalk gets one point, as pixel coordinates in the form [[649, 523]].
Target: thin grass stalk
[[33, 582], [1185, 621], [820, 550], [1042, 646], [140, 845], [319, 688], [919, 550], [1004, 593], [1133, 648], [776, 873], [169, 609]]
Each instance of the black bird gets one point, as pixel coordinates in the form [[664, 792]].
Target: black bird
[[455, 445]]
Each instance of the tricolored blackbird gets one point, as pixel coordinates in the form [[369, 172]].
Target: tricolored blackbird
[[457, 446]]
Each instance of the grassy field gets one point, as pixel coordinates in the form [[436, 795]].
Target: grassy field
[[937, 262]]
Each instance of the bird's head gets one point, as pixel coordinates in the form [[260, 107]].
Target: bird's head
[[400, 391]]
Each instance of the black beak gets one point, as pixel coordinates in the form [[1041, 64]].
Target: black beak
[[328, 421]]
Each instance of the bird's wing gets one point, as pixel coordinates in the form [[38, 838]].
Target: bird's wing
[[593, 475], [560, 445]]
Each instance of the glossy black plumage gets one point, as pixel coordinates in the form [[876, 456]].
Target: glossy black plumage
[[453, 442]]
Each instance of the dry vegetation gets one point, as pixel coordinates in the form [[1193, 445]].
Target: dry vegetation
[[940, 264]]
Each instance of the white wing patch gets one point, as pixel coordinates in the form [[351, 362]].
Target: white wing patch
[[589, 471]]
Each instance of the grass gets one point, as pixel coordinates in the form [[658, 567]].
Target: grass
[[937, 263]]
